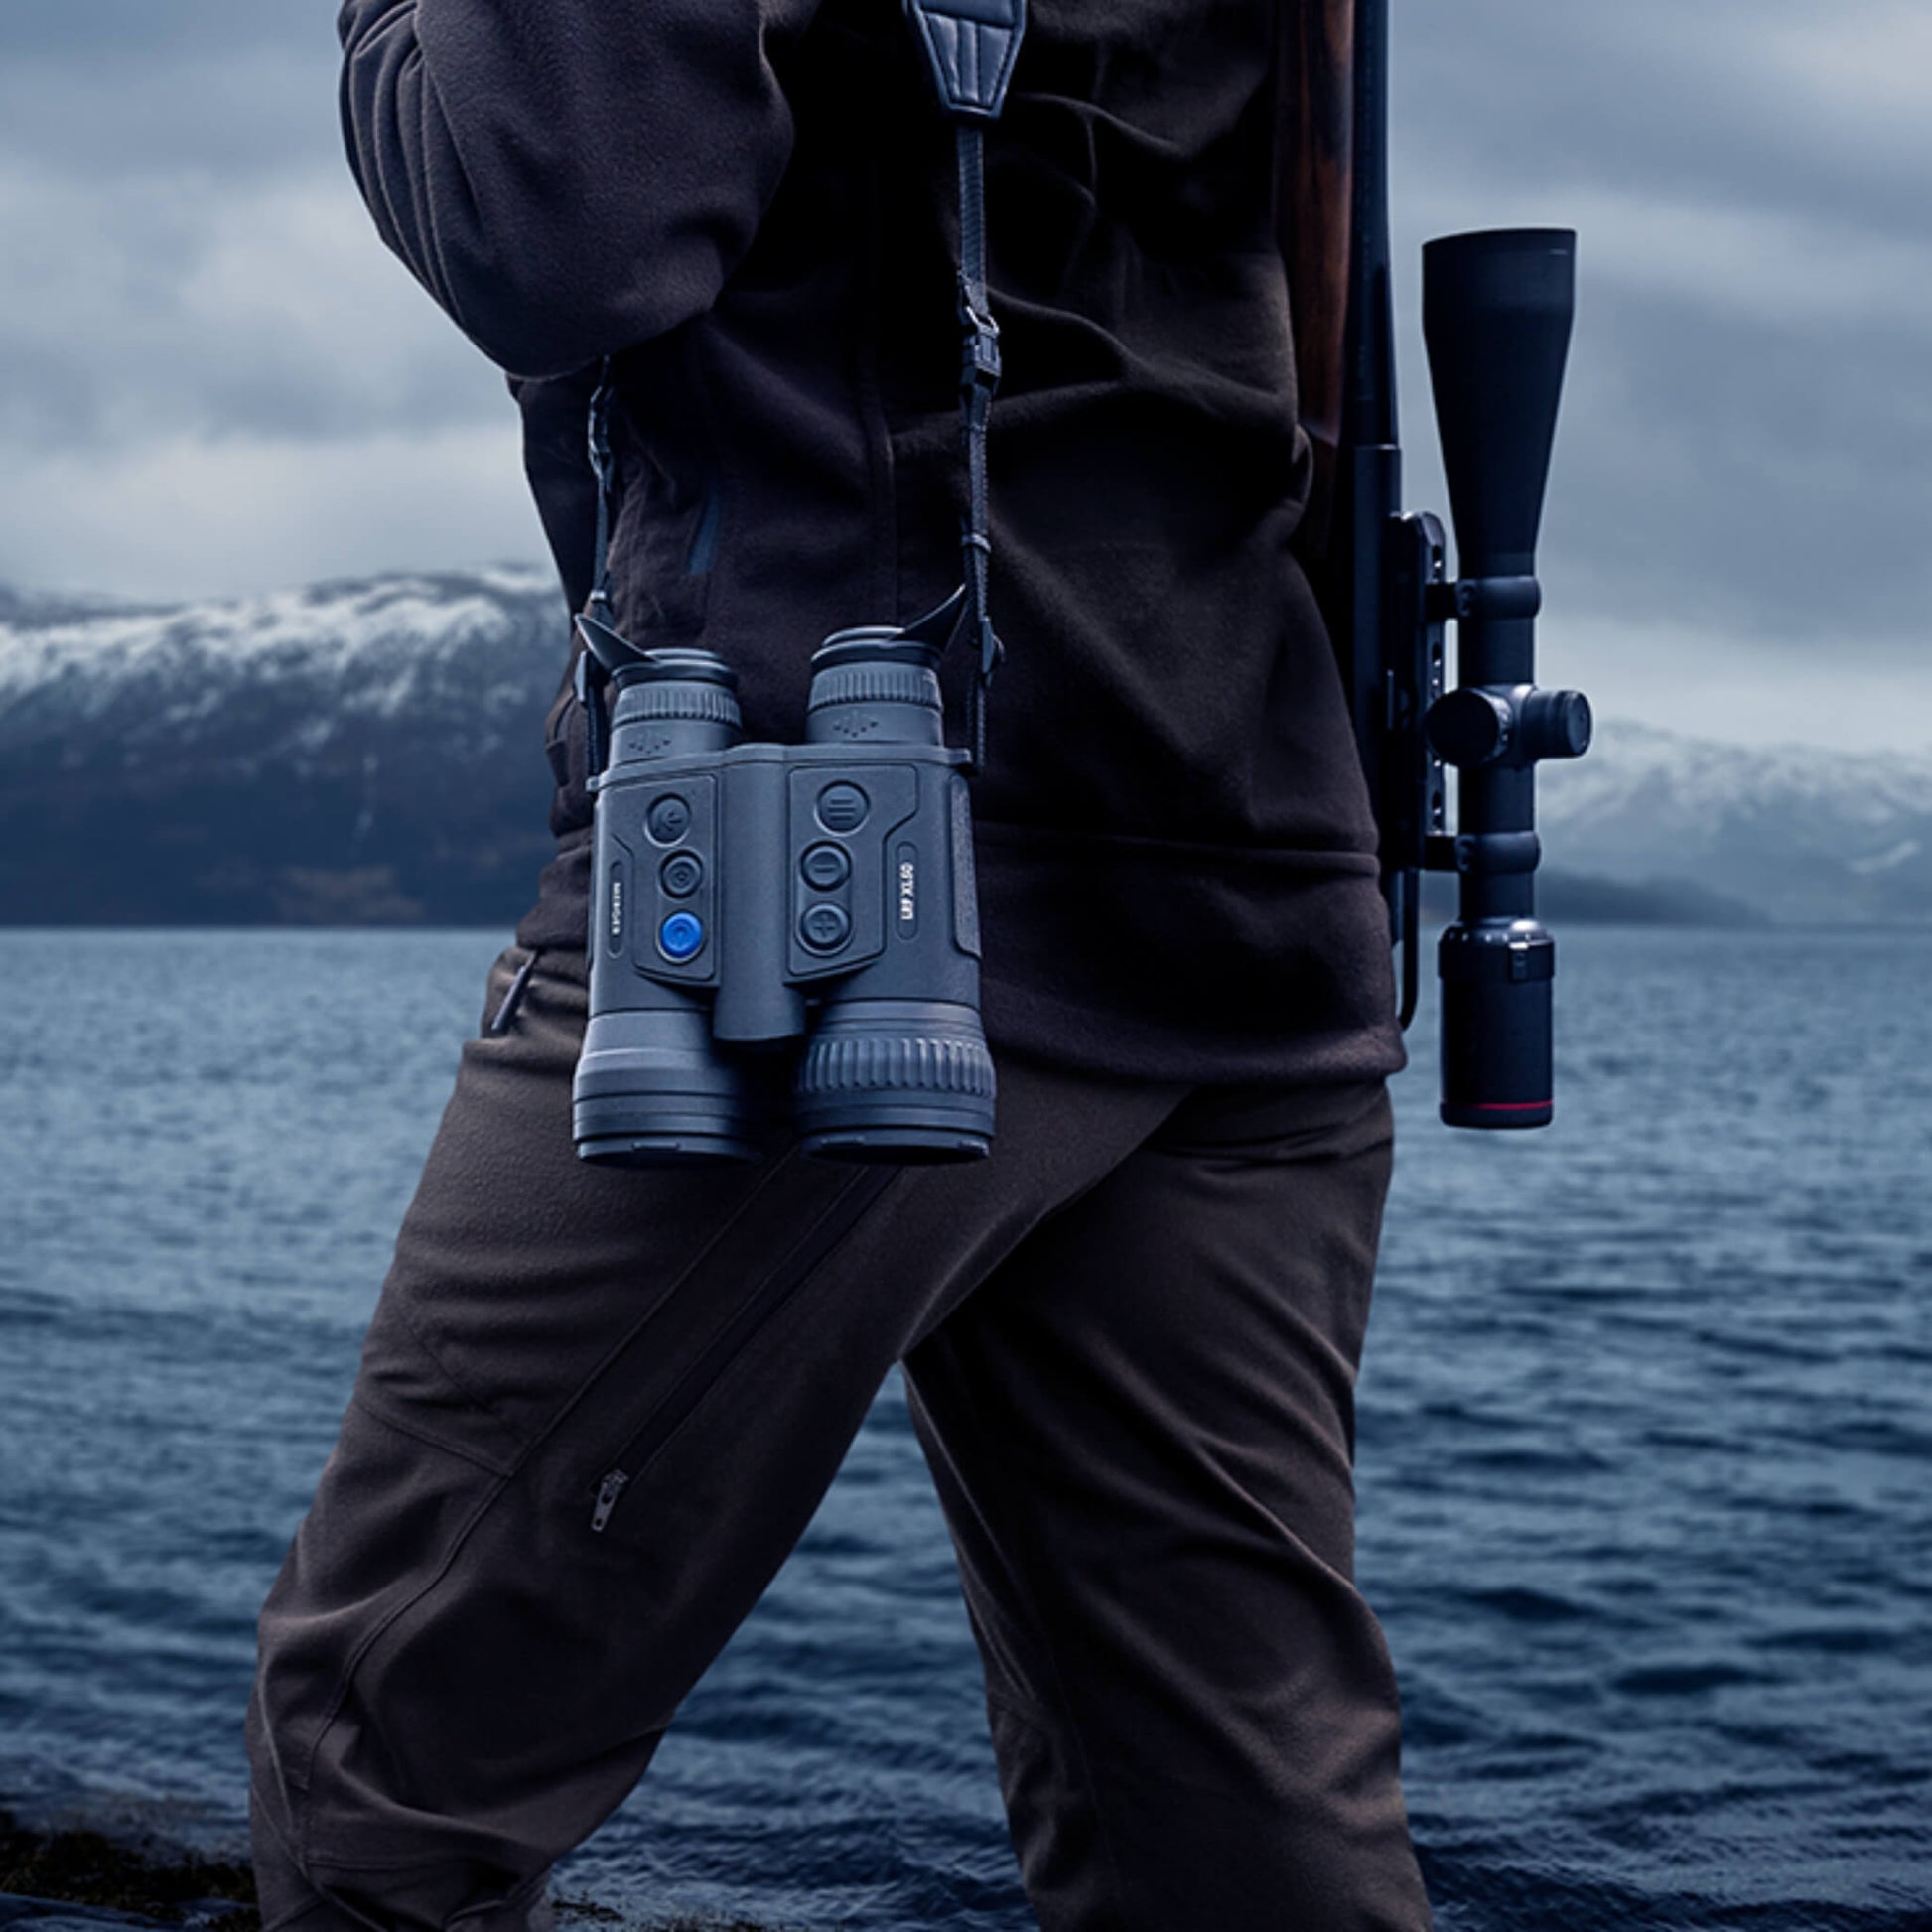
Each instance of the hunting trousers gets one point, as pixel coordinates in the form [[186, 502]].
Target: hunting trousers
[[596, 1408]]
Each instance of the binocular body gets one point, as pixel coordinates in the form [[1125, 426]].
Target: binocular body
[[764, 909]]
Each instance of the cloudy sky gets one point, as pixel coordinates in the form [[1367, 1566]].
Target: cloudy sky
[[213, 378]]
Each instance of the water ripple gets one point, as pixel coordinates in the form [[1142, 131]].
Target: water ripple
[[1643, 1440]]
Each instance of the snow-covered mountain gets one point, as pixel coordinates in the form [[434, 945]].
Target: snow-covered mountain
[[355, 751], [1799, 833], [161, 680], [370, 751]]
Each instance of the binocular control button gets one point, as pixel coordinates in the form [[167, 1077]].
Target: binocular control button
[[669, 820], [680, 935], [842, 808], [681, 874], [825, 867], [825, 928]]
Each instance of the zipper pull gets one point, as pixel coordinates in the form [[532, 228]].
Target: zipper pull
[[611, 1488]]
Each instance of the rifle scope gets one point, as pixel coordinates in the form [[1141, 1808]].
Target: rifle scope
[[1496, 316]]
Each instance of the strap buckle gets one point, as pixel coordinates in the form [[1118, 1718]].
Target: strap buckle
[[980, 367]]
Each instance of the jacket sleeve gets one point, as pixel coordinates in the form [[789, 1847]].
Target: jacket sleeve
[[567, 178]]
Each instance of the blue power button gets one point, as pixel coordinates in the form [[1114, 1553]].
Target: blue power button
[[680, 935]]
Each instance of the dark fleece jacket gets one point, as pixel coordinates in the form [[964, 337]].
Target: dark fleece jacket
[[750, 204]]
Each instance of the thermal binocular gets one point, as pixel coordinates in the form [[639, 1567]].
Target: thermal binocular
[[759, 900]]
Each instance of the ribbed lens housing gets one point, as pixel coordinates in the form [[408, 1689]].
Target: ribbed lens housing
[[908, 1080], [877, 684], [674, 703], [873, 686], [708, 704]]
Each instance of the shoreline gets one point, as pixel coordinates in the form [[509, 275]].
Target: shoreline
[[53, 1880], [88, 1876]]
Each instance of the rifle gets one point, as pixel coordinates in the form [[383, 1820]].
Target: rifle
[[1496, 316]]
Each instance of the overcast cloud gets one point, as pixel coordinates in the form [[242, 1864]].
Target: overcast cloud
[[214, 378]]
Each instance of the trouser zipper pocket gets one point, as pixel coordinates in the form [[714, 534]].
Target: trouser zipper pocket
[[697, 1381]]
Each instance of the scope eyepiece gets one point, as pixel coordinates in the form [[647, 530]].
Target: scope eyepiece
[[1496, 978]]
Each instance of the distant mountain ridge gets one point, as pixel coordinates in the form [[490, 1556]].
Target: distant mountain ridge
[[1800, 834], [367, 751], [356, 751]]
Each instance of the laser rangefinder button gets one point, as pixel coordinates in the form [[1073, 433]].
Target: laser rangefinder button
[[681, 874], [842, 808], [669, 819], [825, 865], [680, 935], [824, 927]]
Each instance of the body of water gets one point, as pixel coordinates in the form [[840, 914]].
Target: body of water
[[1645, 1452]]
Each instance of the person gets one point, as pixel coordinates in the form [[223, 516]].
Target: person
[[595, 1408]]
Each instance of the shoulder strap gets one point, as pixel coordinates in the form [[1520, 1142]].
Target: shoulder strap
[[970, 48]]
